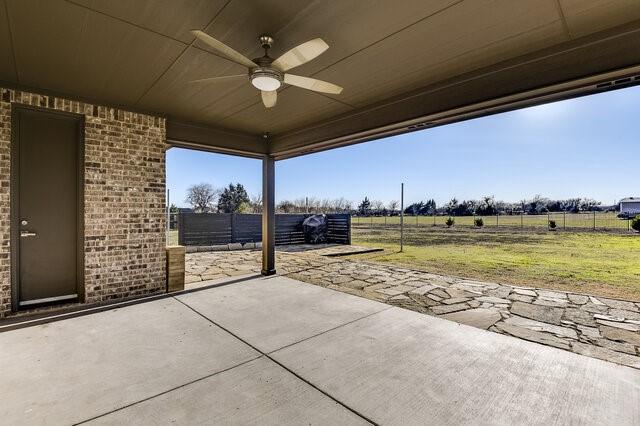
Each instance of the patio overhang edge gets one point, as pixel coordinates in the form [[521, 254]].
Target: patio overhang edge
[[593, 64], [200, 137]]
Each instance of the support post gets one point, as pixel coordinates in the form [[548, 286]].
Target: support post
[[401, 217], [268, 216]]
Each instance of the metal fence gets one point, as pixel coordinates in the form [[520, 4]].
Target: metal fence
[[603, 221], [208, 229]]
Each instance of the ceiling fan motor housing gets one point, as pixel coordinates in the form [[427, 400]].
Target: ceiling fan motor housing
[[266, 41]]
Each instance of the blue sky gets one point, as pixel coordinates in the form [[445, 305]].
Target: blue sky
[[585, 147]]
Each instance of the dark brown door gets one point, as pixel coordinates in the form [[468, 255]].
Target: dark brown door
[[47, 216]]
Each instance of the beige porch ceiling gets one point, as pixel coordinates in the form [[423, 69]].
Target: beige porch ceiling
[[400, 62]]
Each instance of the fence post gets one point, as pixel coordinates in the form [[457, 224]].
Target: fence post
[[521, 219], [417, 220], [628, 224], [564, 220], [385, 221], [497, 222], [594, 220], [434, 218], [401, 216]]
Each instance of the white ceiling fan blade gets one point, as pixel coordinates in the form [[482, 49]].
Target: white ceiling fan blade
[[269, 99], [312, 84], [225, 50], [216, 79], [300, 54]]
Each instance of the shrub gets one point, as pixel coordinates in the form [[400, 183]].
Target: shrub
[[552, 224], [635, 223], [450, 221], [478, 222]]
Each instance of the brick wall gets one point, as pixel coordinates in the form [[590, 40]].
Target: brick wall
[[124, 198]]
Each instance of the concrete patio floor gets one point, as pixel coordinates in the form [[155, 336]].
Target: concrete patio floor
[[608, 329], [279, 351]]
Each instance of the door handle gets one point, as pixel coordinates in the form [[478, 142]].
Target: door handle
[[27, 234]]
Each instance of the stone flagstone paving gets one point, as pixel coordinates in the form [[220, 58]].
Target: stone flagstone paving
[[602, 328]]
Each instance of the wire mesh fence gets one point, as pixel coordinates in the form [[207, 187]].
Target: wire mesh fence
[[603, 221], [172, 229]]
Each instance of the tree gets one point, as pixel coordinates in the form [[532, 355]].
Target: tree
[[537, 205], [201, 197], [486, 206], [377, 206], [232, 198], [587, 204], [452, 206], [256, 204], [340, 205], [286, 206], [465, 208], [325, 205], [429, 207], [393, 206], [348, 206], [365, 206]]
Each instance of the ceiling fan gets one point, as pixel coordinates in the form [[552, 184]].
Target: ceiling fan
[[267, 74]]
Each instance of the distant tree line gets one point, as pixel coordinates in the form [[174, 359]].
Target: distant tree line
[[234, 198], [485, 206], [315, 205], [488, 205]]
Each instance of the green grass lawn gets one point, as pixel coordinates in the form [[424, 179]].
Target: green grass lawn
[[587, 262], [172, 237]]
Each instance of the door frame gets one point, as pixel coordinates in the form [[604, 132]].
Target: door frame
[[16, 110]]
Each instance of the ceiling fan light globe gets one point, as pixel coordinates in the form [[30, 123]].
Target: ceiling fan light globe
[[265, 83]]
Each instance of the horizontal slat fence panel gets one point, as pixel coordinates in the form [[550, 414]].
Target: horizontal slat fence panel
[[202, 229], [247, 228], [339, 228], [289, 228]]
